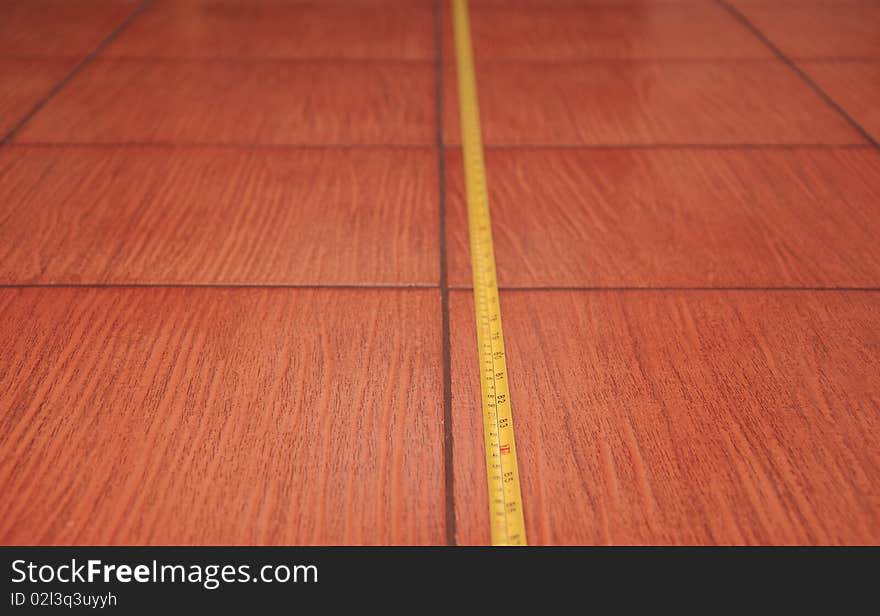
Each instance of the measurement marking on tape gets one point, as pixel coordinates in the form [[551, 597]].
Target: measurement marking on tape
[[505, 498]]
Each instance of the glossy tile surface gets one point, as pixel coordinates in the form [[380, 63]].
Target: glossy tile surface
[[227, 236], [639, 103], [278, 30], [218, 215], [581, 32], [227, 423], [670, 218], [855, 86], [23, 84], [242, 103], [51, 28], [567, 3], [820, 31], [681, 418]]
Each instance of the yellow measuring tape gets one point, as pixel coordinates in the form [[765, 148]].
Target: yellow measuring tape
[[505, 498]]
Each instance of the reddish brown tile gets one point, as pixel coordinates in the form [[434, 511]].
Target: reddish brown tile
[[24, 83], [218, 215], [611, 32], [278, 30], [855, 86], [681, 418], [820, 30], [615, 103], [668, 218], [218, 416], [299, 103], [552, 4], [58, 27]]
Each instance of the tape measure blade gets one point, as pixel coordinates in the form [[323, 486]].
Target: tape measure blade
[[507, 523]]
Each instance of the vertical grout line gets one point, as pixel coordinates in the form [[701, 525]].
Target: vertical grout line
[[745, 21], [75, 70], [444, 282]]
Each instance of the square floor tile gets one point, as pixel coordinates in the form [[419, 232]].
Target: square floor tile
[[278, 30], [580, 32], [273, 102], [855, 86], [58, 27], [288, 417], [639, 103], [23, 84], [669, 218], [103, 214], [568, 3], [680, 418], [820, 31]]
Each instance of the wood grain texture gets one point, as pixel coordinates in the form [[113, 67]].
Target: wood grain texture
[[23, 83], [207, 416], [565, 3], [51, 28], [681, 418], [297, 103], [581, 32], [278, 30], [659, 218], [638, 103], [820, 31], [99, 214], [796, 3], [855, 86], [311, 3]]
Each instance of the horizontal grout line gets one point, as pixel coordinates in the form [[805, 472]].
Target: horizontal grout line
[[209, 285], [405, 287], [676, 146], [29, 57], [764, 59], [427, 61], [448, 146], [676, 289], [237, 146], [839, 59]]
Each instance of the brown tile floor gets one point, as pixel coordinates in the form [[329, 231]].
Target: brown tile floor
[[221, 416], [52, 28], [242, 103], [819, 30], [681, 417], [608, 32], [24, 83], [170, 29], [854, 85], [178, 214], [649, 103], [675, 217], [228, 237]]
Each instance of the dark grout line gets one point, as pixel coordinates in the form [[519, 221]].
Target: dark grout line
[[236, 146], [839, 59], [442, 146], [673, 289], [426, 62], [739, 16], [579, 4], [75, 70], [223, 286], [449, 469], [675, 146], [577, 61]]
